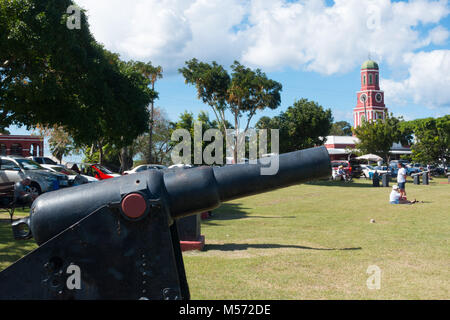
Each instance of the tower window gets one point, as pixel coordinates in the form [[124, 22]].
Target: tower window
[[364, 80], [376, 79], [370, 79]]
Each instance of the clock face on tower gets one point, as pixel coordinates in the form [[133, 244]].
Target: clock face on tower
[[379, 97], [363, 98]]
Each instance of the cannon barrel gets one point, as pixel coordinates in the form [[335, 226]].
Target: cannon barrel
[[186, 192], [197, 191]]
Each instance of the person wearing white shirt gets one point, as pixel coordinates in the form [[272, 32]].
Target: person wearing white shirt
[[394, 197], [401, 179]]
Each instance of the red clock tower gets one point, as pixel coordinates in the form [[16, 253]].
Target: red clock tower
[[370, 103]]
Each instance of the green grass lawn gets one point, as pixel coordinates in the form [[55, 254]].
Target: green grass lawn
[[315, 241]]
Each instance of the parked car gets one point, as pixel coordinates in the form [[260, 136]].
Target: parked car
[[102, 173], [414, 168], [352, 167], [441, 170], [368, 170], [144, 167], [14, 169], [74, 177], [181, 165], [45, 160], [409, 168], [395, 162]]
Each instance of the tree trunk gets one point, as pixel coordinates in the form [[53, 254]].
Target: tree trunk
[[125, 159], [150, 134], [235, 142], [100, 151]]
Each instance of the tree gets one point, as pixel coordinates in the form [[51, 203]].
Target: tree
[[161, 141], [60, 142], [109, 152], [377, 137], [432, 139], [341, 128], [249, 92], [243, 93], [212, 82], [303, 125], [187, 122], [41, 62], [53, 76]]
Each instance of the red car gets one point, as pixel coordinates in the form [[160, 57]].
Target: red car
[[102, 173], [352, 167], [344, 163]]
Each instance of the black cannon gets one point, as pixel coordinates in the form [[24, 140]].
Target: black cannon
[[118, 239]]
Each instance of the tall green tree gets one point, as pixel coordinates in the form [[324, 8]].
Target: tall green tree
[[212, 82], [377, 137], [41, 62], [56, 76], [431, 139], [341, 128], [303, 125], [243, 93]]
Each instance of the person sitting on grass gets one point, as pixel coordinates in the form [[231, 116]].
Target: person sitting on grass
[[22, 194], [341, 173], [396, 198]]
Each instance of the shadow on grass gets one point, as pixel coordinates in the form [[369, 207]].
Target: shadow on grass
[[351, 184], [230, 211], [245, 246]]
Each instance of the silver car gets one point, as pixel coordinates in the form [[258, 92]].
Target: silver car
[[14, 169]]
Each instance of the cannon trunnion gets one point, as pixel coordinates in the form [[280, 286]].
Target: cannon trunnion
[[118, 238]]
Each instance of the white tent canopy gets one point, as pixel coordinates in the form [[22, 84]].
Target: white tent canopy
[[370, 157]]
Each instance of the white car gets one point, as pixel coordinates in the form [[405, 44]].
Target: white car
[[45, 160], [144, 167], [74, 177], [14, 169], [180, 165], [368, 171]]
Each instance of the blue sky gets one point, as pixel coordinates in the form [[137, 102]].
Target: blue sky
[[314, 48]]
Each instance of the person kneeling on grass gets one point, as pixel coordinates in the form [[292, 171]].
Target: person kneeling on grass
[[396, 198]]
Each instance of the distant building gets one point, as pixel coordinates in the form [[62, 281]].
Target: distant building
[[339, 146], [370, 105], [24, 146]]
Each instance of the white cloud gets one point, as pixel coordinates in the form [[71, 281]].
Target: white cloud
[[335, 39], [168, 32], [304, 34], [276, 34], [428, 82]]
